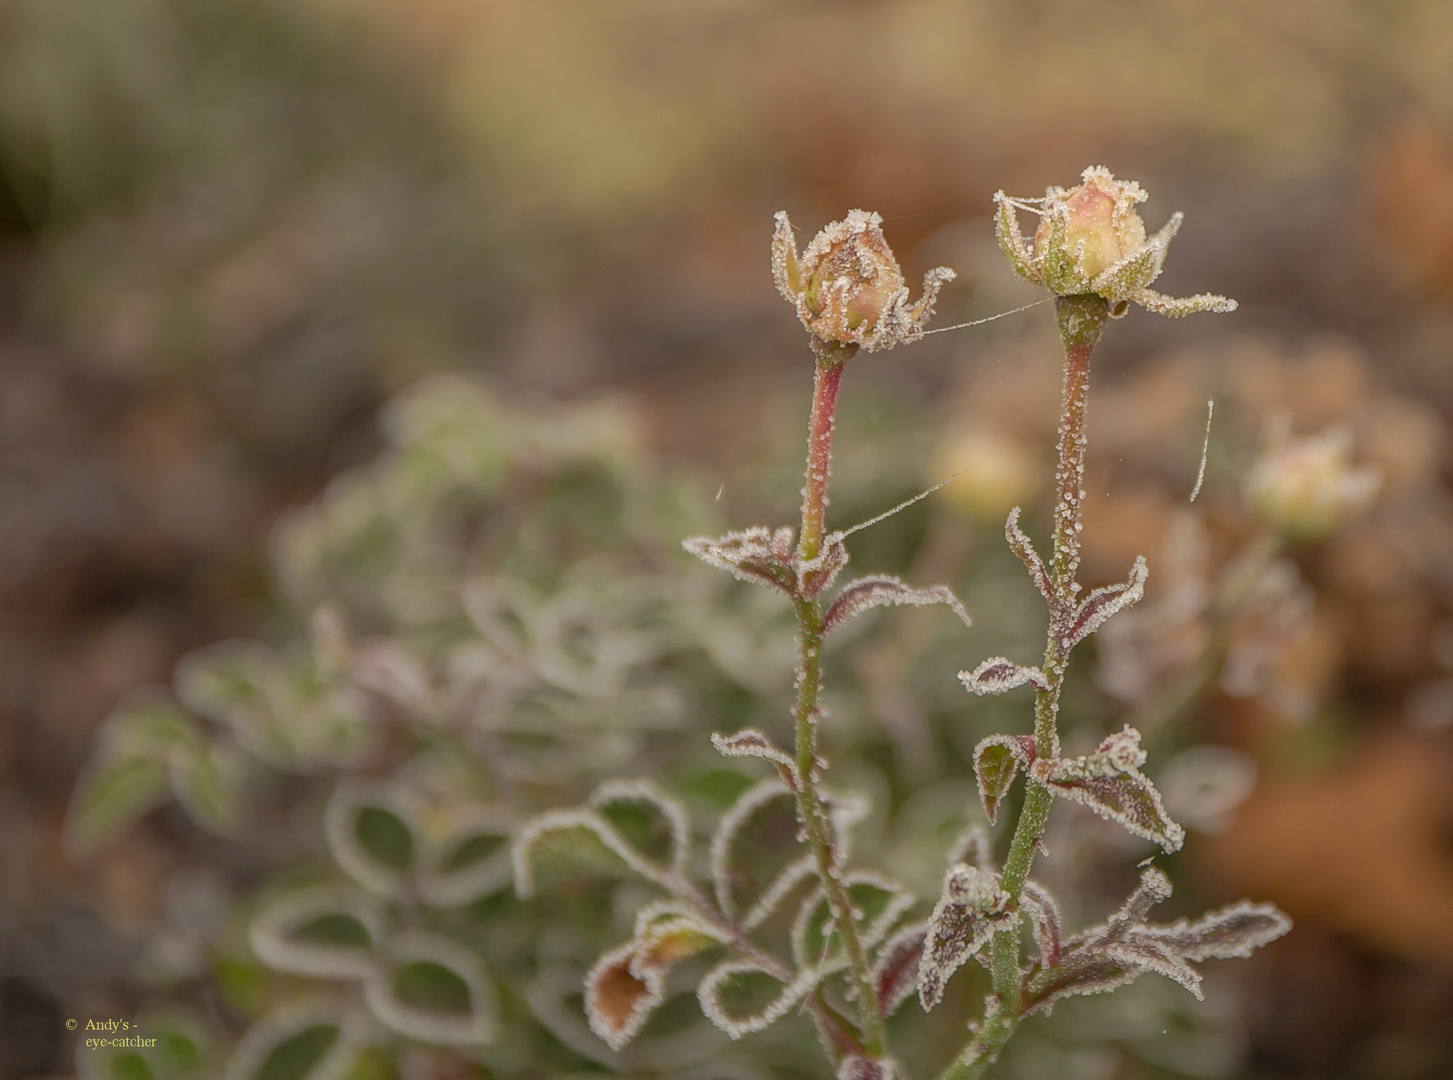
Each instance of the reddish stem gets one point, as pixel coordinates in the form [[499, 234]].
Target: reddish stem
[[819, 457]]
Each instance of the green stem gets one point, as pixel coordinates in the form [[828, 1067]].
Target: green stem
[[810, 810], [1081, 321]]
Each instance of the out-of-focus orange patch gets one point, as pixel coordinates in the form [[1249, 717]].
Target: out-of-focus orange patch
[[1412, 203], [1361, 850]]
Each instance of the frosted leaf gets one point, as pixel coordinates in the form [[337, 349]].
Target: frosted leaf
[[290, 1035], [858, 1067], [667, 932], [468, 861], [756, 858], [374, 832], [1178, 307], [434, 990], [562, 845], [322, 932], [878, 903], [619, 999], [895, 971], [1080, 974], [208, 783], [1102, 603], [1230, 932], [395, 672], [654, 823], [996, 760], [1011, 241], [504, 611], [814, 575], [972, 847], [968, 913], [1148, 955], [1044, 918], [1020, 544], [740, 996], [756, 554], [750, 742], [1111, 784], [999, 675], [786, 274], [1153, 889], [883, 590]]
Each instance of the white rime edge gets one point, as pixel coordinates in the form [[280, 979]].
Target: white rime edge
[[858, 1067], [254, 1048], [895, 970], [884, 590], [900, 900], [476, 1029], [752, 742], [443, 888], [756, 554], [1020, 544], [999, 675], [578, 818], [972, 847], [1102, 603], [620, 962], [968, 913], [844, 811], [995, 772], [271, 933], [340, 820], [642, 962], [708, 993], [1044, 918], [643, 790], [814, 575], [1125, 946], [1110, 783]]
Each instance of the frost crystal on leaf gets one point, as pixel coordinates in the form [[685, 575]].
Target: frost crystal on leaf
[[999, 675], [881, 901], [1125, 946], [972, 847], [1020, 544], [750, 742], [1044, 917], [741, 996], [968, 913], [996, 760], [666, 820], [1110, 782], [1102, 603], [756, 554], [858, 1067], [895, 971], [755, 859], [618, 1000], [563, 844], [320, 932], [883, 590]]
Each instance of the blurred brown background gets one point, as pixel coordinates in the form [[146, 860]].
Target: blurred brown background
[[228, 230]]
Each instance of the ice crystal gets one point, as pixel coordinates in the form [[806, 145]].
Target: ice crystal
[[1110, 783], [884, 590], [1020, 544], [1103, 603], [750, 742], [742, 1018], [895, 970], [999, 675], [997, 758], [969, 911]]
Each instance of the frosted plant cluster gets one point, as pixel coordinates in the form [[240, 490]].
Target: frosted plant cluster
[[477, 669]]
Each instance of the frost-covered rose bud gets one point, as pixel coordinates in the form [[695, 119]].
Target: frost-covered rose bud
[[847, 287], [1091, 240], [1308, 487]]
